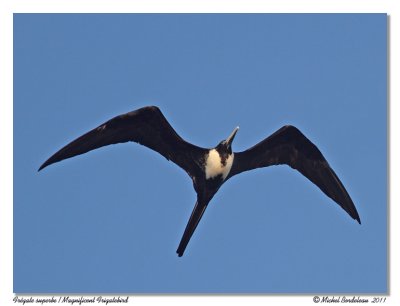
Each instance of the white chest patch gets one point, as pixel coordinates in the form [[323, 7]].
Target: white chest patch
[[214, 166]]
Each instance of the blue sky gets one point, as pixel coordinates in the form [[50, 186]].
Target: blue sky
[[111, 220]]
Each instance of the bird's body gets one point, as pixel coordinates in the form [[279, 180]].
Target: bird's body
[[210, 168], [217, 165]]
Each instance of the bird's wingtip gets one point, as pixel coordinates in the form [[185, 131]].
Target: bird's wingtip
[[357, 217], [44, 165]]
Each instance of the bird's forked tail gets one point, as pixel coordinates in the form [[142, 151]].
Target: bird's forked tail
[[194, 220]]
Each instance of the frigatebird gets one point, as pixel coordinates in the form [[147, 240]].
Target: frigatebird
[[210, 168]]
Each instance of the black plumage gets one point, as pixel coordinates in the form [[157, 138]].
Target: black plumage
[[149, 127]]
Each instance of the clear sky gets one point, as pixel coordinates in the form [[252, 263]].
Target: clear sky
[[111, 220]]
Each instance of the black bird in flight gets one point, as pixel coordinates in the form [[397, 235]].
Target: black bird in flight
[[210, 168]]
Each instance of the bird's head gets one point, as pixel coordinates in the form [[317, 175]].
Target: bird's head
[[226, 145]]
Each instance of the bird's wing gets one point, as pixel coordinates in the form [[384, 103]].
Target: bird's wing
[[146, 126], [289, 146]]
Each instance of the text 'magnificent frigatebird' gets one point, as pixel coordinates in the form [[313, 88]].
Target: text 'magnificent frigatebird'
[[210, 168]]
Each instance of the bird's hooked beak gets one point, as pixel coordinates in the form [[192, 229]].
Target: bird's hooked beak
[[229, 140]]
